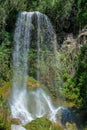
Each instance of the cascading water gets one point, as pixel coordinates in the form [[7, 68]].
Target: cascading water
[[25, 104], [20, 57]]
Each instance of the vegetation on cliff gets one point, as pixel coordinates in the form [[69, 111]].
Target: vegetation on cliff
[[68, 16]]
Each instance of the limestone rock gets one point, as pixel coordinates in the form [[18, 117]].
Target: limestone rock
[[70, 126], [82, 38]]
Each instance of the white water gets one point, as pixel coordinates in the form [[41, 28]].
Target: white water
[[17, 127], [41, 105], [20, 56], [28, 105]]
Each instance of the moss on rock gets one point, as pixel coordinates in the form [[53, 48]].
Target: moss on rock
[[42, 124]]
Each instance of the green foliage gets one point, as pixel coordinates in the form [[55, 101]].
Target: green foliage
[[42, 124], [81, 75], [82, 12], [5, 59], [61, 14], [8, 14], [75, 84], [62, 8], [4, 112], [58, 11], [70, 90]]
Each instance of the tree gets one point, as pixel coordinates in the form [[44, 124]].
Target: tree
[[82, 12], [81, 76], [5, 59]]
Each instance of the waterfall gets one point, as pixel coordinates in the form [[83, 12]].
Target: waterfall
[[20, 59], [34, 30]]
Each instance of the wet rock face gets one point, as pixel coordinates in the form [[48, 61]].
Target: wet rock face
[[66, 116], [39, 25], [15, 121]]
